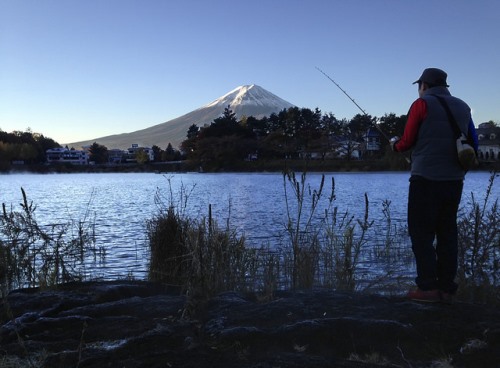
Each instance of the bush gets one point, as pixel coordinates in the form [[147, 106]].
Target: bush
[[198, 257], [168, 251]]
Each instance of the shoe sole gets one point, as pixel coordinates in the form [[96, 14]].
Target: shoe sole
[[441, 300], [426, 300]]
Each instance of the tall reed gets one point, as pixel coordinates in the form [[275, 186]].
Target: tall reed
[[32, 254], [344, 241], [302, 229], [479, 248], [197, 256], [324, 246]]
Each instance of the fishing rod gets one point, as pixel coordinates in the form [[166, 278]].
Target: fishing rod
[[350, 98]]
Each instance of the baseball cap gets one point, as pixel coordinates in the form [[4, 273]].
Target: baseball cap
[[433, 76]]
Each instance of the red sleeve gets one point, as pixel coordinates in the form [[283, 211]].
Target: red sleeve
[[416, 115]]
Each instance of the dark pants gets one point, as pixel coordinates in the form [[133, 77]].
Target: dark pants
[[432, 215]]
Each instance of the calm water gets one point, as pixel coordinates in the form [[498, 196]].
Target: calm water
[[253, 204]]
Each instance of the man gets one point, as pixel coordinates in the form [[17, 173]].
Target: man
[[435, 184]]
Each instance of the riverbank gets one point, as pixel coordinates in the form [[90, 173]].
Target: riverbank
[[138, 324]]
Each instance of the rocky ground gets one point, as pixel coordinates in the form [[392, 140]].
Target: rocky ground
[[138, 324]]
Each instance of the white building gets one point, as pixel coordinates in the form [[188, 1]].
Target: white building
[[132, 151], [489, 142], [64, 155]]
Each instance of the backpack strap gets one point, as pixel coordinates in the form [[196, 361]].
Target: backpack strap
[[451, 118]]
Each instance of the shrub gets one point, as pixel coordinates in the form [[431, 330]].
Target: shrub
[[168, 251], [196, 256]]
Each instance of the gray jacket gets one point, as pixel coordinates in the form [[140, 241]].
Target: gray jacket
[[434, 156]]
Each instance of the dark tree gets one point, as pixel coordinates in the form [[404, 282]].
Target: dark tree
[[392, 125], [171, 154], [158, 153], [98, 153], [359, 125], [193, 131], [188, 146], [225, 125]]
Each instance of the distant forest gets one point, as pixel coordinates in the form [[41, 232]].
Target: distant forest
[[291, 133], [27, 147]]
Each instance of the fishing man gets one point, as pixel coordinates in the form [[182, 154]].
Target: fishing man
[[436, 184]]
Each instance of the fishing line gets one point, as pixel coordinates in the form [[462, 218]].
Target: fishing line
[[350, 98]]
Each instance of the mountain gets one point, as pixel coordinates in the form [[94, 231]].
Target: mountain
[[248, 100]]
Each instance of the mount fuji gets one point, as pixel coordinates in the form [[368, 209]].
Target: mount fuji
[[248, 100]]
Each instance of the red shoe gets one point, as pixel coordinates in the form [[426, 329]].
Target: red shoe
[[429, 296]]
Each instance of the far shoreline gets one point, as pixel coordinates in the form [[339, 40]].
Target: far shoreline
[[242, 167]]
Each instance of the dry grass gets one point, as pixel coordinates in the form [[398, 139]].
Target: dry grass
[[32, 254], [319, 251], [479, 249], [202, 258]]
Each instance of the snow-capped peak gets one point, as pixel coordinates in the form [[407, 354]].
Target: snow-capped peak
[[250, 95]]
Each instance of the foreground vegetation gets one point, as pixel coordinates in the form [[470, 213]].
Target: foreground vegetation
[[322, 248]]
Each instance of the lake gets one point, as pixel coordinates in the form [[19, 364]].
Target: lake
[[254, 204]]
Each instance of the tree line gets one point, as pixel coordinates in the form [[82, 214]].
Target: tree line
[[288, 134], [291, 133], [100, 154], [28, 147]]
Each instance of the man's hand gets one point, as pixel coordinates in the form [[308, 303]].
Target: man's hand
[[393, 141]]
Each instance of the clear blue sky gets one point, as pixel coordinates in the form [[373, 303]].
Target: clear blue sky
[[81, 69]]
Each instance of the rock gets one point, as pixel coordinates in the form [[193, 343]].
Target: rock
[[139, 324]]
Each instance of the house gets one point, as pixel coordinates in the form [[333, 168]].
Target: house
[[372, 141], [345, 148], [65, 155], [131, 153], [488, 135]]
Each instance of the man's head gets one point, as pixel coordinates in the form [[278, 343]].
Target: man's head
[[431, 77]]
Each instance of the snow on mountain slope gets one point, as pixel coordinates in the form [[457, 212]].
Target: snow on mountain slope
[[250, 95], [248, 100]]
